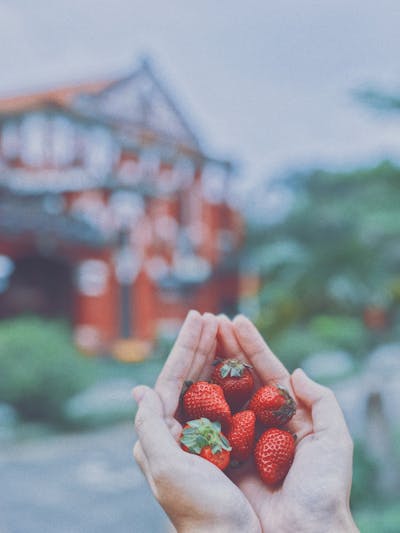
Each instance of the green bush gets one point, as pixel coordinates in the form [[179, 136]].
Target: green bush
[[378, 518], [296, 343], [40, 368], [345, 332], [364, 475]]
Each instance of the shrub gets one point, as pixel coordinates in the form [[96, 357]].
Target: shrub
[[378, 518], [40, 368], [364, 475]]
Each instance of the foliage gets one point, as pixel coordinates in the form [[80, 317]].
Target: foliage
[[364, 475], [378, 99], [332, 260], [378, 518], [40, 368], [330, 281]]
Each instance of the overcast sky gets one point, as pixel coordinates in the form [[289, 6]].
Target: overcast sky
[[267, 83]]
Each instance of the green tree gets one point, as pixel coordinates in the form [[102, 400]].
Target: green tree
[[330, 270]]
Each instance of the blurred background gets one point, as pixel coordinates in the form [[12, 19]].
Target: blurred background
[[160, 157]]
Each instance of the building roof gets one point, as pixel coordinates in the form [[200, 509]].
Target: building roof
[[139, 100], [61, 96]]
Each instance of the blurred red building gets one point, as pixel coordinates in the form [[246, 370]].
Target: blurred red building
[[111, 213]]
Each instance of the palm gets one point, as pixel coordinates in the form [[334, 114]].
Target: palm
[[322, 462], [267, 503], [271, 504], [212, 490], [315, 474], [305, 484], [212, 494]]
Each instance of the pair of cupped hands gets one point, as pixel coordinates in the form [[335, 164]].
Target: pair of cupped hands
[[196, 495]]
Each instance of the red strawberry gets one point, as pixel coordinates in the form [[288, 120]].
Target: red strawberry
[[204, 438], [236, 380], [241, 435], [207, 400], [273, 455], [273, 405], [220, 459]]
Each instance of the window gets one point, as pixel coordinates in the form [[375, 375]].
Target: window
[[99, 152], [10, 140], [92, 277], [184, 170], [63, 141], [33, 139], [149, 164], [127, 208], [213, 181]]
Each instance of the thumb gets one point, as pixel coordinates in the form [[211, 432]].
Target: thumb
[[327, 416], [139, 392], [151, 428]]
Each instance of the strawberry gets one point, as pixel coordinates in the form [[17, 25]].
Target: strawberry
[[204, 438], [272, 405], [236, 380], [241, 435], [207, 400], [273, 455]]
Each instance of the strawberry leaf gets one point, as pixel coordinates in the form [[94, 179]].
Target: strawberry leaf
[[201, 433], [217, 426], [224, 371], [225, 443], [216, 448], [236, 372], [234, 368]]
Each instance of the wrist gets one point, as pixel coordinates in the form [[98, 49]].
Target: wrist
[[343, 523], [337, 521], [248, 524]]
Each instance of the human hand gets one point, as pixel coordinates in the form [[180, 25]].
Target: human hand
[[195, 494], [314, 496]]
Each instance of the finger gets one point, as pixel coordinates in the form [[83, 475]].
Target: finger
[[266, 364], [141, 460], [143, 463], [226, 343], [228, 340], [177, 366], [158, 444], [231, 346], [327, 416], [206, 371], [204, 348], [175, 428]]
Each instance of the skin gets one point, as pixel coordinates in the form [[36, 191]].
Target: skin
[[316, 490]]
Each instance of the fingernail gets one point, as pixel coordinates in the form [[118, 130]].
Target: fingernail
[[300, 372], [138, 393], [239, 320]]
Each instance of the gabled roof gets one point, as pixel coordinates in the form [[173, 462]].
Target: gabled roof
[[61, 96], [142, 100], [139, 100]]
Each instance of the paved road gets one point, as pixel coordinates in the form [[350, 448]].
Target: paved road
[[85, 483]]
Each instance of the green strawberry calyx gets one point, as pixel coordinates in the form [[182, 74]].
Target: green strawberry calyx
[[232, 367], [201, 433]]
